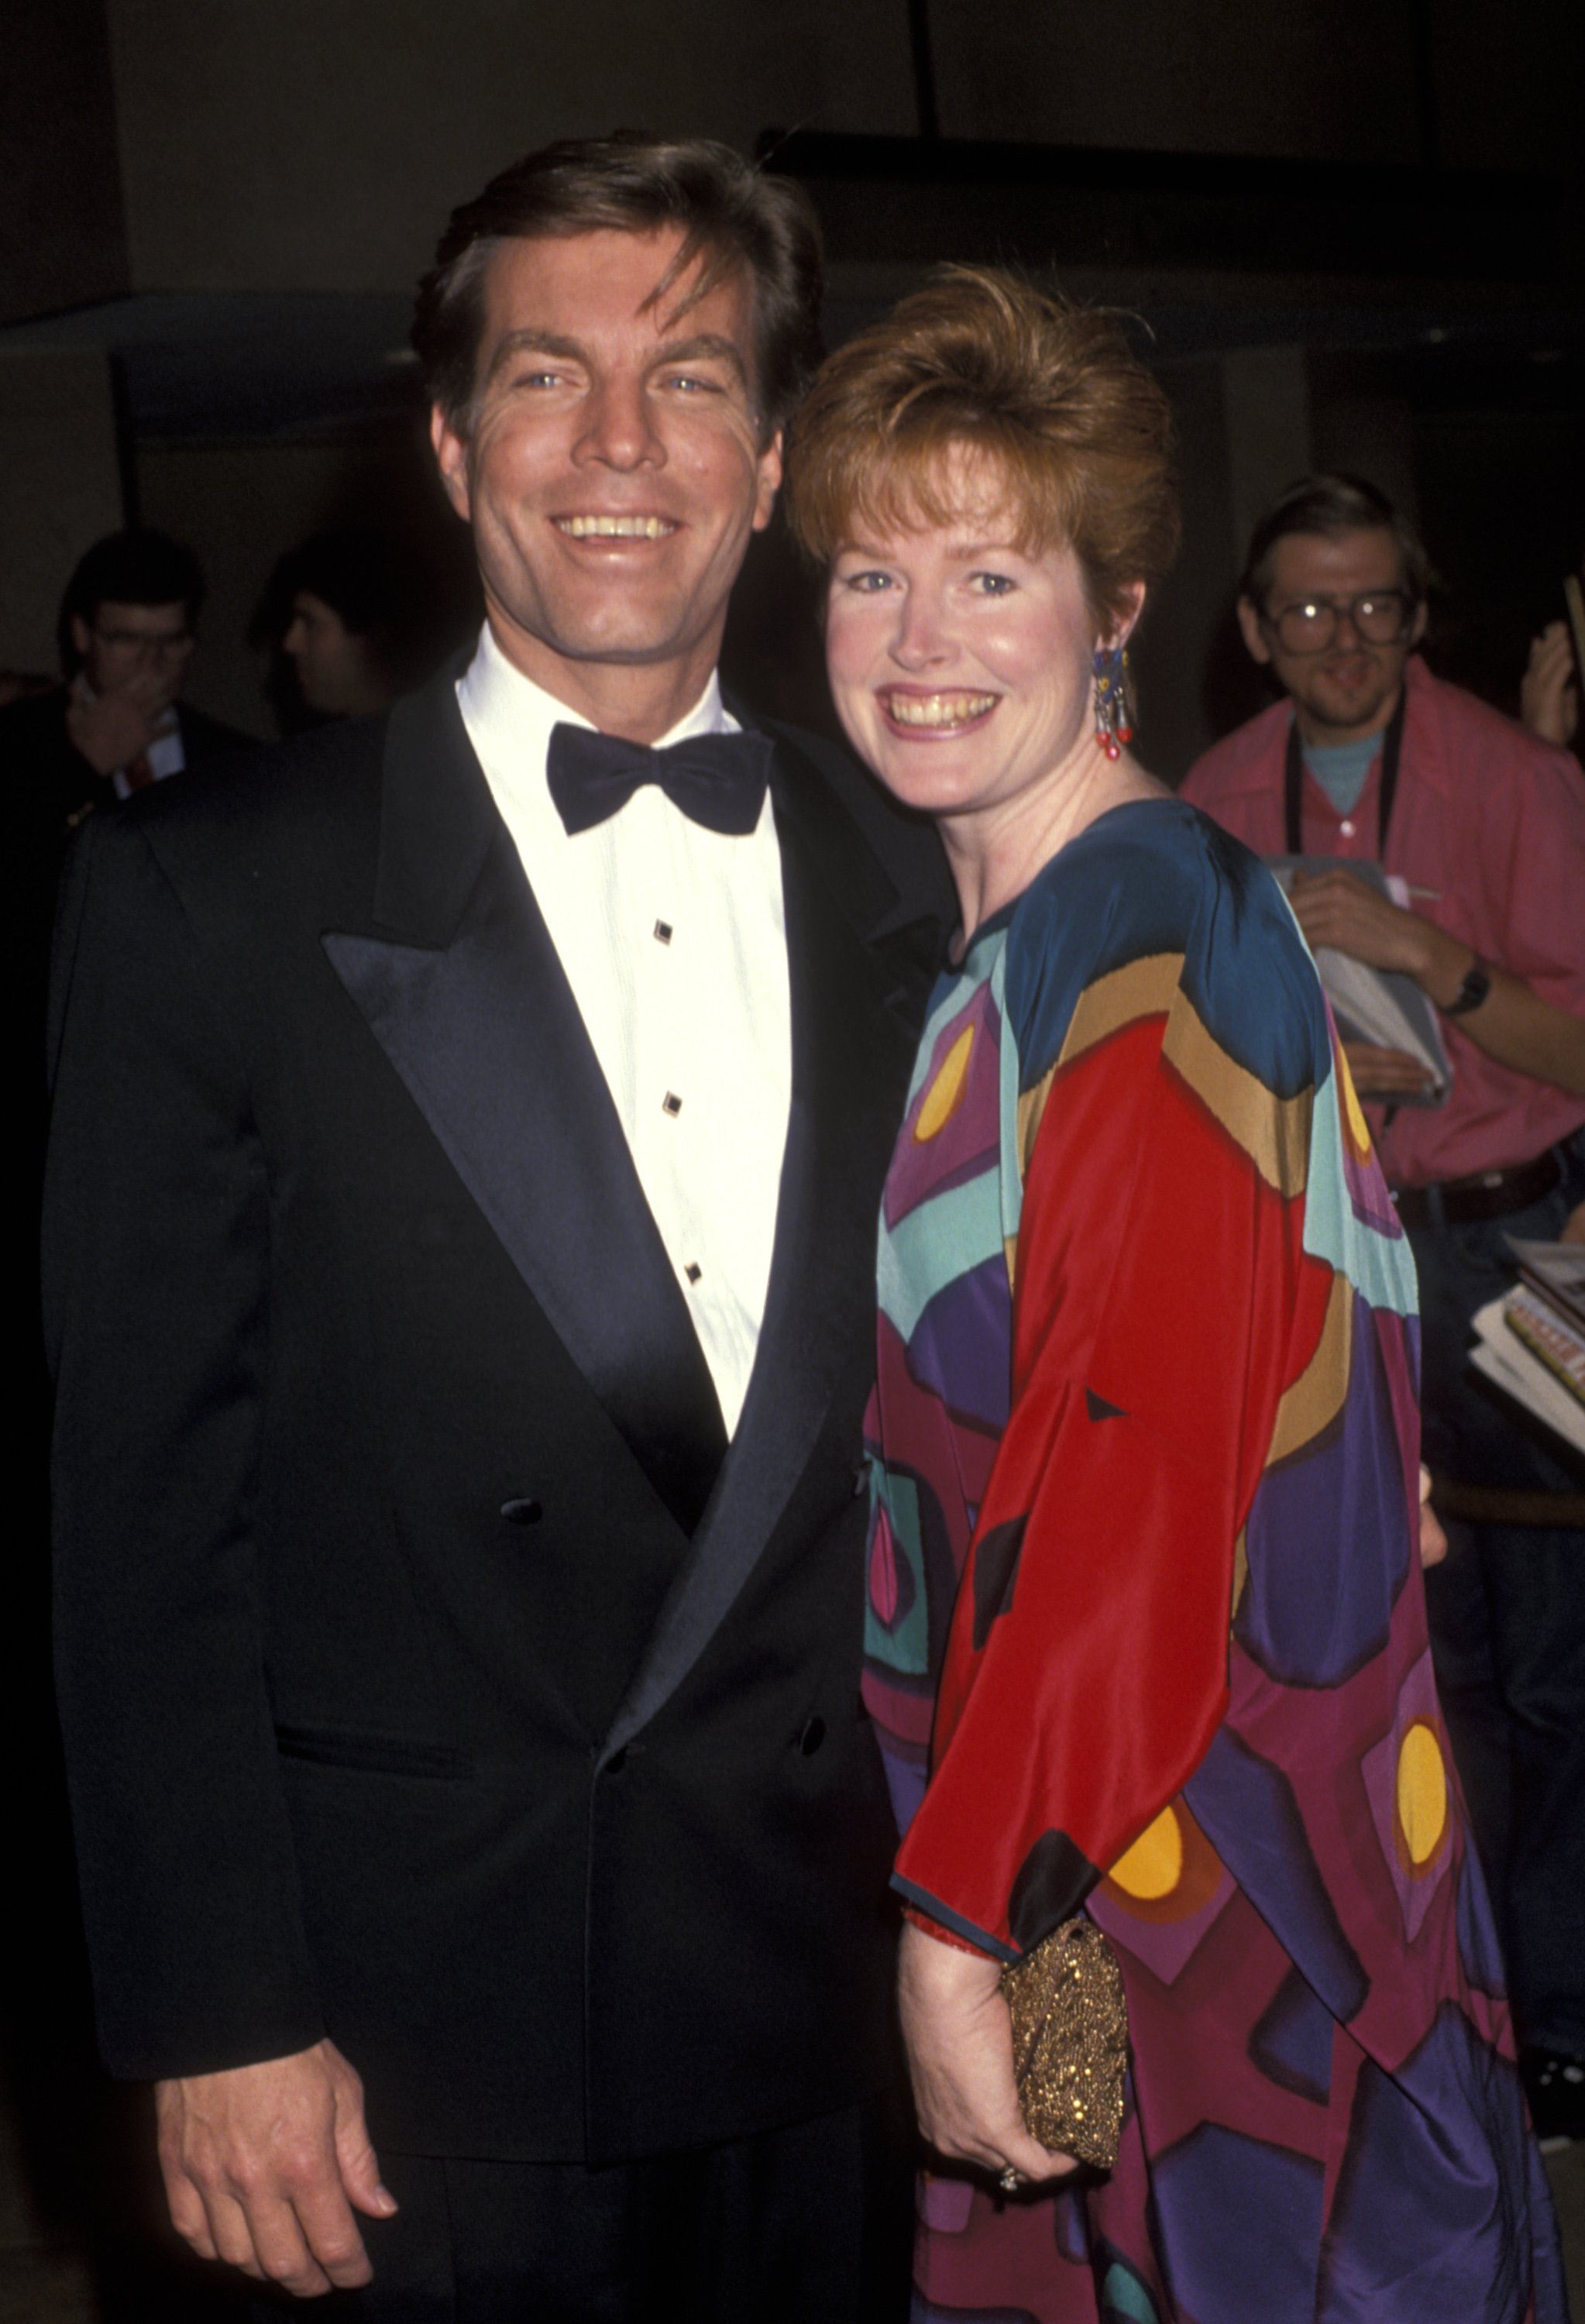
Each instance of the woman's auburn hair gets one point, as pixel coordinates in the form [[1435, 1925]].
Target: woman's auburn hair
[[1048, 392]]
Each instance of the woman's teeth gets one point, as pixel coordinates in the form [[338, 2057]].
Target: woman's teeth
[[937, 710]]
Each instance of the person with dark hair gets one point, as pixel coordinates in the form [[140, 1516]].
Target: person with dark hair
[[1480, 827], [125, 634], [722, 218], [1146, 1638], [468, 1130], [115, 725], [341, 613]]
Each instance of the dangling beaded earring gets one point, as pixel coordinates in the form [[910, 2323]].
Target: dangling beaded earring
[[1114, 709]]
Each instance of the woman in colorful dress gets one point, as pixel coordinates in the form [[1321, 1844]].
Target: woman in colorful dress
[[1145, 1630]]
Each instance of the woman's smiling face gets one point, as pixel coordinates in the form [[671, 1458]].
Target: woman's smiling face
[[960, 663]]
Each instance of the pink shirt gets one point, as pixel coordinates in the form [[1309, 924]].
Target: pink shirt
[[1491, 822]]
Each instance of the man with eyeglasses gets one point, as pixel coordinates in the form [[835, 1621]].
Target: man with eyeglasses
[[115, 725], [1480, 828], [126, 638]]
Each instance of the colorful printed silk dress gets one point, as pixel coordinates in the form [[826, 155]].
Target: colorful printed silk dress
[[1147, 1361]]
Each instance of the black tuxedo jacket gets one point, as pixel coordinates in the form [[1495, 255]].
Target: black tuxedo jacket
[[432, 1673], [48, 787]]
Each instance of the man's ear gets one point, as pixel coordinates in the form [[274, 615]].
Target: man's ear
[[451, 457], [1254, 634], [1417, 627], [81, 637], [770, 481]]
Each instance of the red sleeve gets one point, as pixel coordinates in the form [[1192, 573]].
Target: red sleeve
[[1155, 1292]]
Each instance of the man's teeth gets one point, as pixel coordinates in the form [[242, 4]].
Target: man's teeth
[[615, 527], [938, 709]]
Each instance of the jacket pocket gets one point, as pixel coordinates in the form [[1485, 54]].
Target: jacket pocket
[[373, 1754]]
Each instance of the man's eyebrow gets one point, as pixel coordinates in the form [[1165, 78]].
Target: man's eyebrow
[[703, 344], [531, 341]]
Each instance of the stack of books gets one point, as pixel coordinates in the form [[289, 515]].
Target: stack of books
[[1532, 1341]]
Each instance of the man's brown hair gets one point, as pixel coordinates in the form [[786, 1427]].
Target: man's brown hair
[[731, 214], [1331, 506], [1069, 421]]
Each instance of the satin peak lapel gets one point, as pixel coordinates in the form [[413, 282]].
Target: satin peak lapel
[[477, 1017]]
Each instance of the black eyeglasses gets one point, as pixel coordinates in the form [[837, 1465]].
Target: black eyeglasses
[[1380, 616], [158, 644]]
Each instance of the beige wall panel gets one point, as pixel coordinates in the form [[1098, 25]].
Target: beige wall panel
[[60, 489], [1265, 400], [319, 145], [1330, 78], [1366, 434]]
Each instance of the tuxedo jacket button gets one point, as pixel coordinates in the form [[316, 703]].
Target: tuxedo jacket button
[[521, 1512], [811, 1737]]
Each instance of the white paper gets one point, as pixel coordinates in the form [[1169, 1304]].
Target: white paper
[[1506, 1361]]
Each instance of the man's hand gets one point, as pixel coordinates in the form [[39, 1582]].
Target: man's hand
[[1549, 694], [266, 2164], [959, 2047], [1334, 908], [1385, 1073], [116, 728]]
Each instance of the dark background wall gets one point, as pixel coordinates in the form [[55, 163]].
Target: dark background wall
[[216, 214]]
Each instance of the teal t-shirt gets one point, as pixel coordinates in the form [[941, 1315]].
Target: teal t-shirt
[[1341, 769]]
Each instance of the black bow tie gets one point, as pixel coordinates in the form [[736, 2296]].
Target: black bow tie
[[716, 780]]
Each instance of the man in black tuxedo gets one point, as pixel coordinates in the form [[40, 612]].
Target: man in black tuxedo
[[116, 723], [469, 1131]]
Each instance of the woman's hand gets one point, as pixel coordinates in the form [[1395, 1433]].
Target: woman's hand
[[960, 2046], [1432, 1540]]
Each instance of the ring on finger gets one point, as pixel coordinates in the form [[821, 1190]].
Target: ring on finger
[[1010, 2180]]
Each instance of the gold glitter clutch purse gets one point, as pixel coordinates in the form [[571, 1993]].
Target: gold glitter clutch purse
[[1070, 2042]]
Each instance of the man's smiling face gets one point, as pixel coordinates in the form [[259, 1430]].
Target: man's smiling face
[[613, 468]]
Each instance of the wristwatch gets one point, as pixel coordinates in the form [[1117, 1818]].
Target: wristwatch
[[1473, 990]]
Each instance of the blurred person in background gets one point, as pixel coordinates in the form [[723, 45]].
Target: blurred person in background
[[112, 725], [1369, 756], [117, 723], [341, 615]]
